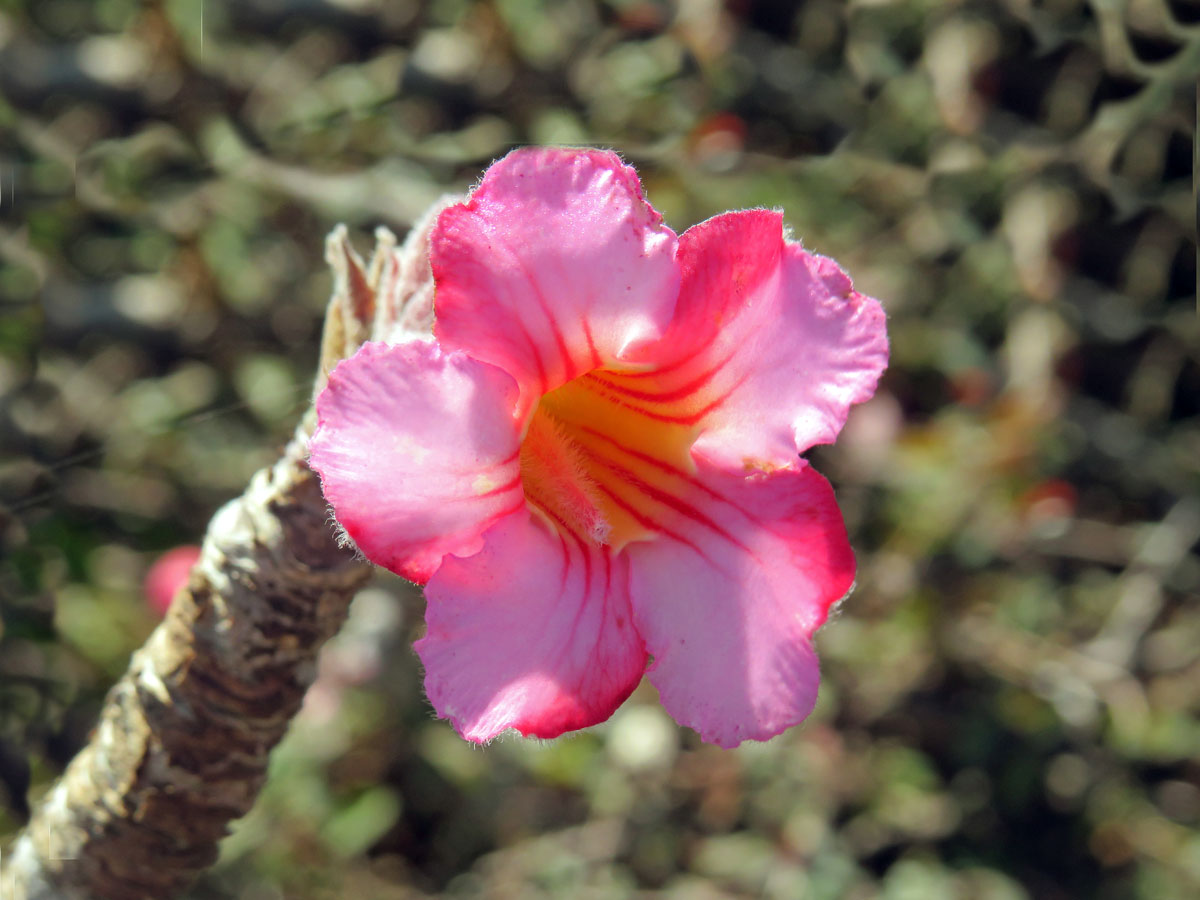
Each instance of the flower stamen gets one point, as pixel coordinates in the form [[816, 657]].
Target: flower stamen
[[556, 480]]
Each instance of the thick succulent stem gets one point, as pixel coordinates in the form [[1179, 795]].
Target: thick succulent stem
[[182, 744]]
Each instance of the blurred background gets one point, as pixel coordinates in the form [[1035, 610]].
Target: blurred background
[[1011, 696]]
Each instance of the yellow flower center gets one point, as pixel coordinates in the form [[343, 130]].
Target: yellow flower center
[[601, 454]]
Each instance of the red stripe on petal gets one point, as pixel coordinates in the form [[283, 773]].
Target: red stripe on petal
[[698, 416], [665, 498], [559, 340], [591, 342], [651, 525], [683, 391], [504, 488], [597, 387], [694, 418], [669, 367], [640, 456]]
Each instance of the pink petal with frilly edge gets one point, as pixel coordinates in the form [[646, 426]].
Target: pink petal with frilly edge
[[769, 347], [417, 451], [533, 633], [728, 599], [554, 266]]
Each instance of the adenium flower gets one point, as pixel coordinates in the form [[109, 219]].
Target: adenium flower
[[593, 463]]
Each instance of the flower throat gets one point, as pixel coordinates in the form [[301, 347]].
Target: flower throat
[[599, 459]]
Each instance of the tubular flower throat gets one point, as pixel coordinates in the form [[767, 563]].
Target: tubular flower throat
[[596, 461]]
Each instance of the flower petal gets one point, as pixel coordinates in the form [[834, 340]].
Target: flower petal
[[555, 265], [728, 599], [533, 633], [417, 451], [769, 347]]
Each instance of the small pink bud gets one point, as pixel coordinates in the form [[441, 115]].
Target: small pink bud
[[168, 574]]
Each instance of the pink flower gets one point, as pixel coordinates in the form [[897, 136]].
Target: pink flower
[[168, 574], [594, 464]]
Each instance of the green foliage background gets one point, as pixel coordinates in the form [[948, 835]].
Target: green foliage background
[[1010, 697]]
